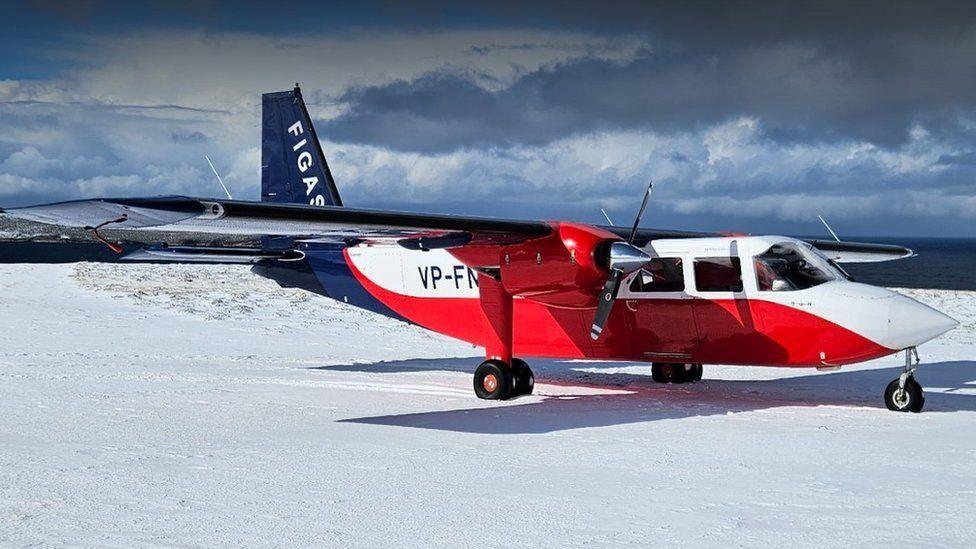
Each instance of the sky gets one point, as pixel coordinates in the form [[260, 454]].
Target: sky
[[748, 116]]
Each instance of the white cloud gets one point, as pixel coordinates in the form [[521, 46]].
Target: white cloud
[[12, 185], [731, 169], [806, 206], [29, 162], [139, 117]]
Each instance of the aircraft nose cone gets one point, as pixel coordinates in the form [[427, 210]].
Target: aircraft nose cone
[[911, 323]]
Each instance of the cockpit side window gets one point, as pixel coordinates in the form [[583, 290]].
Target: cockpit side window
[[662, 274], [718, 274], [787, 267]]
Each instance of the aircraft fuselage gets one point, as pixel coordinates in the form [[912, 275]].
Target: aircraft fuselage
[[709, 303]]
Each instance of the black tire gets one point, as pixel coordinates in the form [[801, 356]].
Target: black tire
[[661, 372], [493, 380], [910, 400], [524, 378], [680, 373], [695, 374]]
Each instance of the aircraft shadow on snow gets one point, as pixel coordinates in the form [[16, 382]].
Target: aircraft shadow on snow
[[642, 400]]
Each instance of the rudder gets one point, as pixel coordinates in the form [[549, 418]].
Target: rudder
[[293, 166]]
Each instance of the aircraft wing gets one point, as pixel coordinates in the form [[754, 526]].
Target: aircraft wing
[[346, 225], [245, 218], [860, 252], [646, 235], [839, 251]]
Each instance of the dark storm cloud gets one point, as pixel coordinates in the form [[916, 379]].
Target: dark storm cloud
[[862, 78], [707, 24]]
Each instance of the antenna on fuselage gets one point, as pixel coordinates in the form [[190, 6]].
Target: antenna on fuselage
[[608, 217], [219, 180], [832, 233]]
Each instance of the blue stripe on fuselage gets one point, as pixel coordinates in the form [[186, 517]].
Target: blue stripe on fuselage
[[339, 283]]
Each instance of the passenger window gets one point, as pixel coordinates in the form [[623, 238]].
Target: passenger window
[[718, 274], [661, 274]]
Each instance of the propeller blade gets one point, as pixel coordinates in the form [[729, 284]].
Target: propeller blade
[[640, 213], [624, 259], [607, 296]]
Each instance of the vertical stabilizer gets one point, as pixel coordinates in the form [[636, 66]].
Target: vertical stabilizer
[[293, 167]]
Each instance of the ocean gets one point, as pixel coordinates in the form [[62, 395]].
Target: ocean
[[941, 263]]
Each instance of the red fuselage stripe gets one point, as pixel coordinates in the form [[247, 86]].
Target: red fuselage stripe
[[726, 331]]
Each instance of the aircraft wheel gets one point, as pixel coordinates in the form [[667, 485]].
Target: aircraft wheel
[[909, 399], [695, 374], [493, 380], [524, 378], [680, 373], [661, 372]]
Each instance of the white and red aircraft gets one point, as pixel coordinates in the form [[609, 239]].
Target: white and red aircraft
[[540, 288]]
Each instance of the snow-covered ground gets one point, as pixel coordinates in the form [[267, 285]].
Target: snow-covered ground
[[204, 406]]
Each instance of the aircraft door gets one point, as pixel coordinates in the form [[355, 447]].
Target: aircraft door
[[726, 323], [661, 312]]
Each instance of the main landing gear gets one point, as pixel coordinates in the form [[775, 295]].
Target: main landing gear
[[905, 394], [674, 372], [495, 380]]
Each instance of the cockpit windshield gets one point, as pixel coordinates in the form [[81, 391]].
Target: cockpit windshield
[[830, 264], [789, 267]]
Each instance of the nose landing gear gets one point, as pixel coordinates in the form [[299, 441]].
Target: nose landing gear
[[905, 393], [495, 380]]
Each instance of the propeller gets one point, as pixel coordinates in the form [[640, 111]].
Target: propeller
[[625, 258]]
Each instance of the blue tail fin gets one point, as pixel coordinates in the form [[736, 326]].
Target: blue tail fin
[[293, 167]]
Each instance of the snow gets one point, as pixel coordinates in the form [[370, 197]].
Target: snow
[[205, 406]]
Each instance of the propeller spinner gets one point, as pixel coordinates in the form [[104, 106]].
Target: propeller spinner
[[625, 258]]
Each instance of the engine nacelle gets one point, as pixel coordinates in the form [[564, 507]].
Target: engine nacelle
[[567, 268]]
